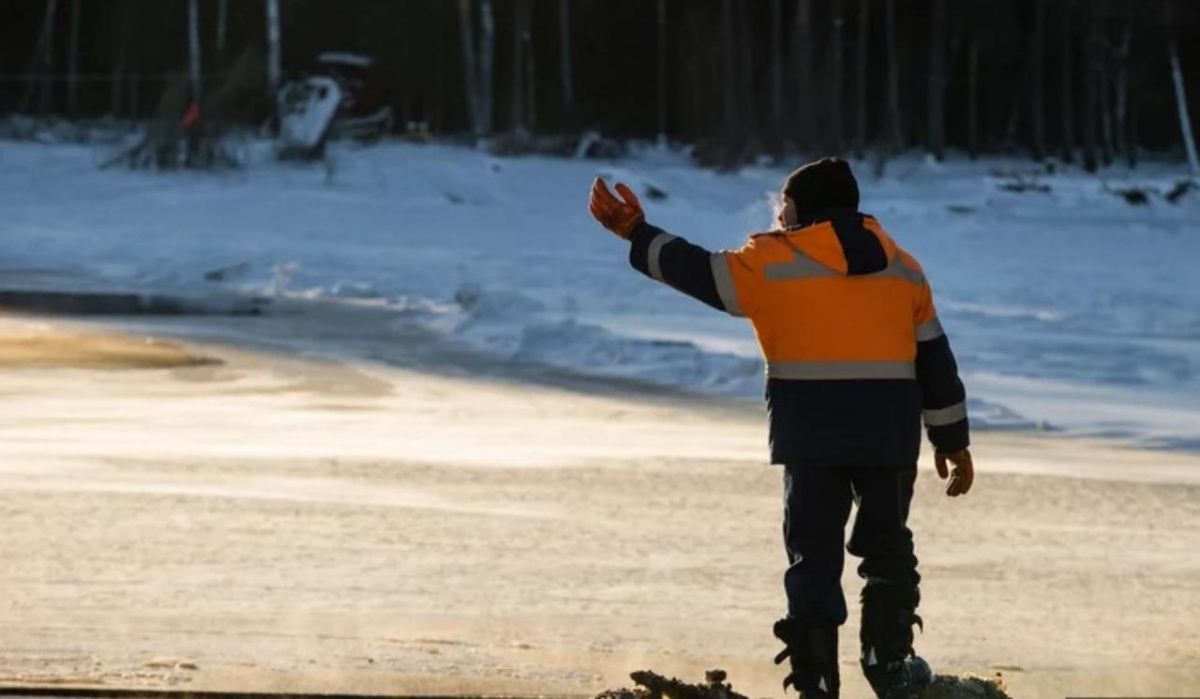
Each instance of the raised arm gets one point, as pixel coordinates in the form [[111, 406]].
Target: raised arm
[[705, 276], [686, 267]]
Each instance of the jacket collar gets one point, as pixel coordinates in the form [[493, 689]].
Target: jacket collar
[[811, 218]]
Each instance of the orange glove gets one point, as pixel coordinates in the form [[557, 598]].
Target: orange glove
[[620, 217]]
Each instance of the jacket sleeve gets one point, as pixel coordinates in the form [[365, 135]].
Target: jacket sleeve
[[720, 279], [943, 398]]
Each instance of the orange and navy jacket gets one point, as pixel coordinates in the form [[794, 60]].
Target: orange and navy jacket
[[855, 354]]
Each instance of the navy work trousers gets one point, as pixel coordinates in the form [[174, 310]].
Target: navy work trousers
[[817, 501]]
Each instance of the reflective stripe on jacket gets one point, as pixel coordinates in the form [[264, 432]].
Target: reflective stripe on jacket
[[855, 354]]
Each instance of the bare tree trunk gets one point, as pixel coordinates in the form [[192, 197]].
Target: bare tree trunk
[[1068, 95], [728, 96], [805, 84], [861, 49], [1185, 122], [837, 83], [517, 86], [1102, 85], [937, 81], [520, 36], [973, 98], [1132, 152], [487, 62], [775, 20], [662, 70], [700, 70], [893, 79], [118, 70], [564, 32], [43, 61], [743, 43], [1124, 137], [274, 48], [222, 26], [73, 62], [471, 94], [46, 101], [1090, 98], [860, 83], [435, 120], [194, 48], [1037, 110], [1016, 101], [531, 118]]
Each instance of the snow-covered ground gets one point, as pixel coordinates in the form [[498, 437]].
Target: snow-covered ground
[[1069, 309]]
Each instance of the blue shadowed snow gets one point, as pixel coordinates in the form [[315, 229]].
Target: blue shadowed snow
[[1068, 310]]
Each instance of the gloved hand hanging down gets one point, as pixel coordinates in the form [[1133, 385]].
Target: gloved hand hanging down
[[621, 216], [961, 476]]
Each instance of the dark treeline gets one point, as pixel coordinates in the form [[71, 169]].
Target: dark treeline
[[1085, 80]]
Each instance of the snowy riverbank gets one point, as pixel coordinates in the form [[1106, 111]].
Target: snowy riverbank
[[1069, 309]]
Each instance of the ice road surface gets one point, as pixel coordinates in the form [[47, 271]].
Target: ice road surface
[[1069, 310]]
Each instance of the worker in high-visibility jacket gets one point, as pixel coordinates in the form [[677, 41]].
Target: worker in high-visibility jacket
[[855, 359]]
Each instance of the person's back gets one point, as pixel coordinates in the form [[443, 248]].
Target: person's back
[[855, 358]]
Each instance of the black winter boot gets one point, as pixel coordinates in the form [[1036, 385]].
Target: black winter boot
[[812, 649], [888, 660]]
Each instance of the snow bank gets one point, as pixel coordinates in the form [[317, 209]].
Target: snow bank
[[1070, 310], [520, 328]]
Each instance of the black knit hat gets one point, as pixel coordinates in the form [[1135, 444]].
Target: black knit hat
[[822, 184]]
